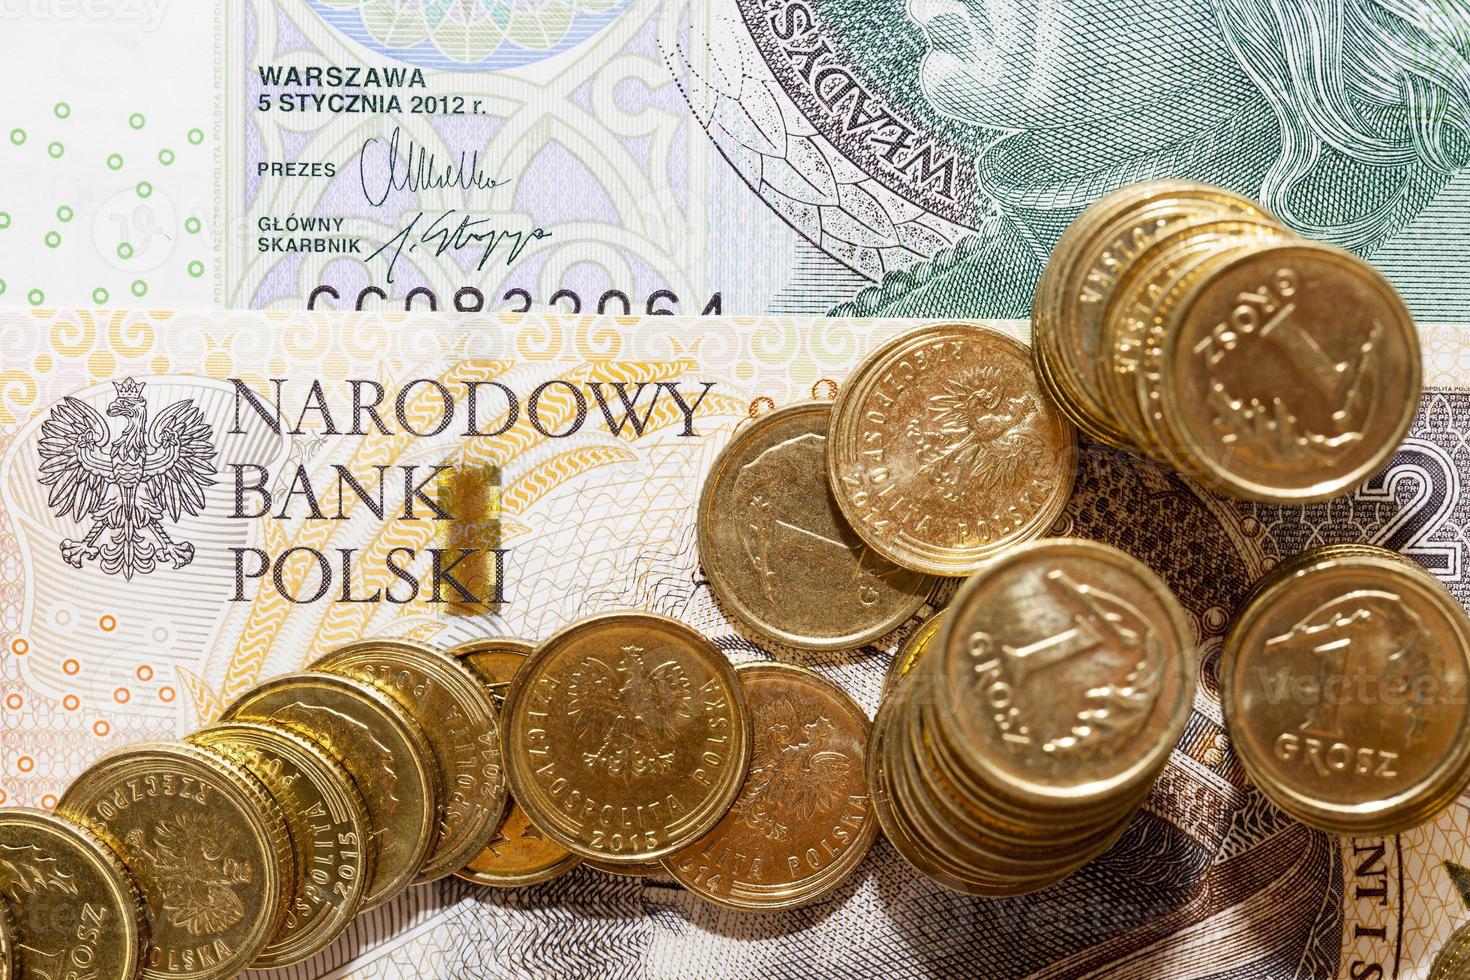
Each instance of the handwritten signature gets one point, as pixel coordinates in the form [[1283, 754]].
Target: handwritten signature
[[419, 170], [447, 232]]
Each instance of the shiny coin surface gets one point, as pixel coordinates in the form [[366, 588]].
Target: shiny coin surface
[[1128, 318], [9, 943], [382, 748], [915, 645], [329, 828], [1452, 962], [944, 451], [459, 719], [779, 554], [1109, 242], [77, 910], [519, 853], [803, 820], [1294, 373], [1068, 673], [629, 736], [1343, 683], [207, 846]]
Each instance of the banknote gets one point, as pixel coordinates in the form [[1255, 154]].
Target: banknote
[[736, 157], [319, 477]]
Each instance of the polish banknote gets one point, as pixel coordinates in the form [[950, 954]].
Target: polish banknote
[[868, 157], [309, 490]]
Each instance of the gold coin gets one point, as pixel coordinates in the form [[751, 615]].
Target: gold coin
[[382, 748], [519, 853], [780, 556], [1343, 687], [77, 910], [329, 826], [897, 829], [9, 943], [1294, 373], [1452, 962], [629, 736], [206, 844], [1104, 242], [803, 820], [1067, 673], [1127, 319], [458, 717], [649, 869], [915, 645], [1148, 374], [944, 451]]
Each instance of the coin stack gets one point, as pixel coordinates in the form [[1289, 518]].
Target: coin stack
[[1024, 740], [1343, 683], [1184, 321]]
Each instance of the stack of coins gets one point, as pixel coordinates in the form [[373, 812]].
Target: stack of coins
[[1184, 321], [1020, 745], [1343, 682]]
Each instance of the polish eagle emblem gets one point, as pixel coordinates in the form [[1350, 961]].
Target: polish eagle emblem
[[126, 483], [190, 859], [795, 773], [626, 713]]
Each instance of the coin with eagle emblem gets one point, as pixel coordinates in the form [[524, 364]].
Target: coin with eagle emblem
[[208, 847], [329, 830], [803, 820], [944, 450], [628, 736], [382, 748]]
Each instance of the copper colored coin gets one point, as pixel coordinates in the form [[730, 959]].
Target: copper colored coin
[[944, 451], [1293, 374], [780, 556], [381, 747], [78, 912], [628, 737], [803, 820], [519, 853], [207, 846], [1343, 683], [460, 722]]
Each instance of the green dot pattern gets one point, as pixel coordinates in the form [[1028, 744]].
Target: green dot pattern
[[53, 239], [62, 110], [17, 136], [55, 149], [165, 156], [99, 296], [64, 214], [140, 288], [196, 136], [124, 250], [4, 219], [144, 188], [196, 268], [136, 120], [192, 225], [35, 297], [114, 161]]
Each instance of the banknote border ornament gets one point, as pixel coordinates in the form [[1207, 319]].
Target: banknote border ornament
[[126, 483]]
